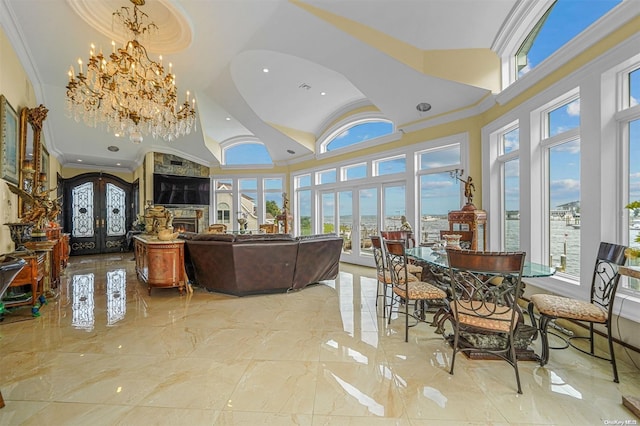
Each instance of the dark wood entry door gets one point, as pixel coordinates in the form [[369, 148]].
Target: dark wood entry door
[[98, 213]]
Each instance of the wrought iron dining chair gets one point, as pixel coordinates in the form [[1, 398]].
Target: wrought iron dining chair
[[485, 287], [409, 242], [406, 289], [382, 274], [598, 310]]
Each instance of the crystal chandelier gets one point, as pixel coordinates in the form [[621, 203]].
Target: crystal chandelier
[[127, 91]]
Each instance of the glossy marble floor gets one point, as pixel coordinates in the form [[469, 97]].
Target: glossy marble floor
[[105, 353]]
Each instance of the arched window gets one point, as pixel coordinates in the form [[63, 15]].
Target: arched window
[[563, 21], [356, 132], [245, 153]]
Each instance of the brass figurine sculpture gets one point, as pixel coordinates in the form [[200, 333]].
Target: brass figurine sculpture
[[39, 207], [469, 189]]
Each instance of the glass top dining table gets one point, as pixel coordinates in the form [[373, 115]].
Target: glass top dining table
[[439, 258]]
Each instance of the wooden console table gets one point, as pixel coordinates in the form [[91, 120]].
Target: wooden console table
[[160, 263], [33, 275]]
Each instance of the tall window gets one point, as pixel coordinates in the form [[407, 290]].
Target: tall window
[[224, 200], [394, 206], [439, 192], [303, 202], [510, 178], [272, 193], [256, 199], [562, 147], [373, 192], [248, 201], [634, 194], [628, 117], [328, 212]]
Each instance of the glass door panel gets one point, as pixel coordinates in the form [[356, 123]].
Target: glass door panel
[[368, 218], [328, 212], [304, 212], [394, 205], [345, 212]]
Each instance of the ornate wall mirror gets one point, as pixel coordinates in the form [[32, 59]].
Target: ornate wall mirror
[[31, 120]]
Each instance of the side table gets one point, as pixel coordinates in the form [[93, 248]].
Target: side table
[[52, 262]]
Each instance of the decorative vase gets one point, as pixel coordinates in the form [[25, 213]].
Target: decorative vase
[[453, 241], [20, 233]]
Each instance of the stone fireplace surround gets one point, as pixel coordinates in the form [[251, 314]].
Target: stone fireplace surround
[[194, 218], [190, 219]]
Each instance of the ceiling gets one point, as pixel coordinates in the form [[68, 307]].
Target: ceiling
[[360, 53]]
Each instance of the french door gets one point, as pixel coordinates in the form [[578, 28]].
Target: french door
[[98, 212], [358, 212]]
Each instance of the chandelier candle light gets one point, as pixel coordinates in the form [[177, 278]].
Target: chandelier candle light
[[127, 91]]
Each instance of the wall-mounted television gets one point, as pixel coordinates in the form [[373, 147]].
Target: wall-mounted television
[[171, 189]]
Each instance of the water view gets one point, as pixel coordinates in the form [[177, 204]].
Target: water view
[[565, 236]]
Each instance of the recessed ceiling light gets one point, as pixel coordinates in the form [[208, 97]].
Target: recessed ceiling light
[[265, 70], [113, 148], [228, 118], [423, 107], [79, 160], [117, 135], [323, 93], [118, 164]]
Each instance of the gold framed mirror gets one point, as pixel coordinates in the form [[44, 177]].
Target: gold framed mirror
[[31, 120]]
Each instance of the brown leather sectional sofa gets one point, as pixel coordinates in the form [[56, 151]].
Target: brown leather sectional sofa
[[261, 263]]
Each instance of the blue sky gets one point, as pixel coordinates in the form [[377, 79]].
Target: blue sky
[[567, 19]]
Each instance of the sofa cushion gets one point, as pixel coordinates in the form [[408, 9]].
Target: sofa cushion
[[253, 238], [186, 235], [214, 237], [315, 237]]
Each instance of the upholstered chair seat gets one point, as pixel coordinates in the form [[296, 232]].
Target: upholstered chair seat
[[564, 307]]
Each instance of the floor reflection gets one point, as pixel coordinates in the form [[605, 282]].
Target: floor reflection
[[83, 299], [116, 296], [83, 302], [323, 355]]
